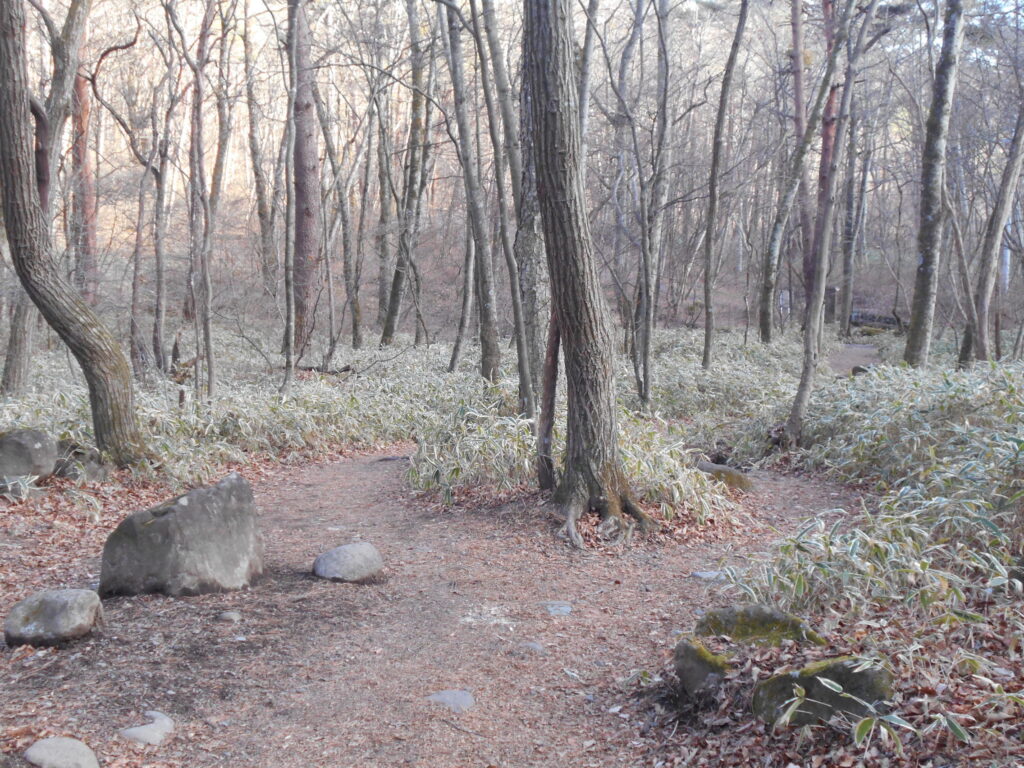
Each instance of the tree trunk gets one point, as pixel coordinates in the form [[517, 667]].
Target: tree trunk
[[593, 476], [305, 178], [103, 363], [490, 349], [717, 143], [83, 216], [993, 244], [933, 166]]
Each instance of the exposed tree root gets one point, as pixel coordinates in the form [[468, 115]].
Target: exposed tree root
[[619, 520]]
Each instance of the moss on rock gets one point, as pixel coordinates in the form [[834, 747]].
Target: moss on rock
[[862, 683], [757, 624], [699, 670]]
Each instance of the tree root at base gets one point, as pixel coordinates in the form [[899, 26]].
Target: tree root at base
[[618, 521]]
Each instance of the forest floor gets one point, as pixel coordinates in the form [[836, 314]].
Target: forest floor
[[324, 674]]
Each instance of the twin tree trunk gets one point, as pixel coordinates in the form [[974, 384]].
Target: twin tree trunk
[[101, 359], [593, 476]]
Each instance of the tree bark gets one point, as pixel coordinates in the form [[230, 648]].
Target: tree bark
[[593, 476], [83, 216], [933, 166], [103, 363]]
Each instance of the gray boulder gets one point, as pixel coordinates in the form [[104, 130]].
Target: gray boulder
[[860, 682], [358, 562], [61, 752], [53, 617], [207, 540], [26, 452], [80, 463]]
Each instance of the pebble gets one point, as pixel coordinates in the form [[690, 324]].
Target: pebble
[[61, 752], [151, 734], [709, 575], [232, 617], [558, 607], [533, 646], [457, 701]]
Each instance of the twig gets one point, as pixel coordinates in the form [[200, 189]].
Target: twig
[[464, 730]]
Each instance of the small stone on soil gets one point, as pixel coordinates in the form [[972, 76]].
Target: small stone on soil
[[558, 607], [457, 701], [60, 752], [151, 734], [231, 617]]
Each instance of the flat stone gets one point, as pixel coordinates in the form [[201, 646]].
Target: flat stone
[[53, 617], [558, 607], [61, 752], [229, 617], [733, 478], [757, 624], [152, 734], [458, 701], [709, 575], [354, 563]]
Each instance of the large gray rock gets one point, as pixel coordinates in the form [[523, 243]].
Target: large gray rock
[[61, 752], [53, 617], [207, 540], [864, 683], [27, 452], [358, 562]]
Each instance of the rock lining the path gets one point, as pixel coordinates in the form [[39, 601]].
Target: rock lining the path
[[458, 701], [26, 453], [356, 563], [207, 540], [732, 478], [757, 624], [52, 617], [61, 752], [153, 733]]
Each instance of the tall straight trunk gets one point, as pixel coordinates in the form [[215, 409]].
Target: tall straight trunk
[[138, 349], [159, 249], [385, 259], [790, 185], [103, 363], [415, 149], [717, 144], [813, 317], [505, 101], [593, 476], [83, 179], [305, 178], [505, 223], [933, 166], [267, 252], [585, 63], [829, 118], [490, 349], [849, 228], [993, 244], [466, 313], [803, 199]]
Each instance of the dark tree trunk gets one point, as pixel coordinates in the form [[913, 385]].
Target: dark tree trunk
[[101, 359], [83, 216], [593, 476]]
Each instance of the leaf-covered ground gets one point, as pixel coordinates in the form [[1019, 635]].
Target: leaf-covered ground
[[326, 674]]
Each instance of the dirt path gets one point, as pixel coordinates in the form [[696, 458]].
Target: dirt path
[[322, 674]]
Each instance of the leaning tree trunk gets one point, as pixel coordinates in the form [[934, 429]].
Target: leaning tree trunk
[[593, 476], [933, 166], [102, 361]]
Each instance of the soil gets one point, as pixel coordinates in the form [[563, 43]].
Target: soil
[[849, 356], [325, 674]]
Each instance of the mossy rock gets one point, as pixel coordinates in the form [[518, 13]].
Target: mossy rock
[[870, 683], [699, 670], [756, 624], [732, 478]]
